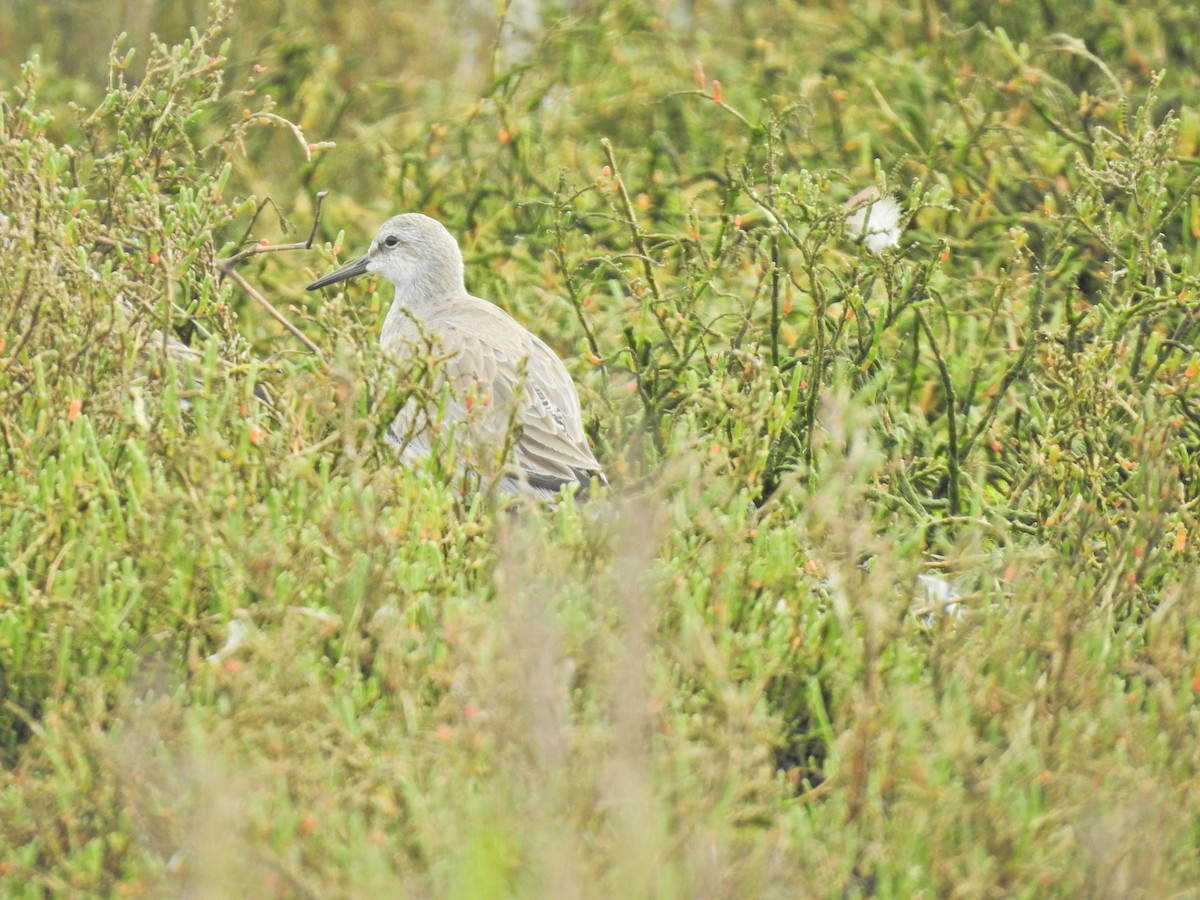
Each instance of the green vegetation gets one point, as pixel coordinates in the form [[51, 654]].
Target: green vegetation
[[246, 652]]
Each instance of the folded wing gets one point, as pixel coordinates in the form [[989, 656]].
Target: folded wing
[[509, 402]]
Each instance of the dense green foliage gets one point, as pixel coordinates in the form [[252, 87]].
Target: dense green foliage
[[245, 651]]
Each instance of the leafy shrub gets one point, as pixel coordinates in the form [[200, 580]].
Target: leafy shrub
[[243, 649]]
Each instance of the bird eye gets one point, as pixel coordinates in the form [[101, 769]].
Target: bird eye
[[391, 240]]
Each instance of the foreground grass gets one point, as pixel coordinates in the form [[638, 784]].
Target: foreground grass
[[243, 651]]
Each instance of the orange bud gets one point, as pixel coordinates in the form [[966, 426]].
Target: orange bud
[[74, 409], [716, 91], [698, 74]]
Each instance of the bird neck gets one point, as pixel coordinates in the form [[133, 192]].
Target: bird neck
[[417, 298]]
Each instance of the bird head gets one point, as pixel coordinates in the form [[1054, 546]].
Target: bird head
[[409, 249]]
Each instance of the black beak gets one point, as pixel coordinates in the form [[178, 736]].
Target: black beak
[[349, 270]]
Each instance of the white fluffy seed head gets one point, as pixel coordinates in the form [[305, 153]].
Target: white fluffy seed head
[[874, 219]]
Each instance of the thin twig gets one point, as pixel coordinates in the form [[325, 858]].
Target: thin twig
[[275, 314], [1015, 370], [560, 255], [953, 461], [707, 95], [639, 242], [321, 195], [631, 219], [228, 267]]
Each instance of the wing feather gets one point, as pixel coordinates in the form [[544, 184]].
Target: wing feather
[[497, 376]]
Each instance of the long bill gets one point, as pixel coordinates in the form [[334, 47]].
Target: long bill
[[349, 270]]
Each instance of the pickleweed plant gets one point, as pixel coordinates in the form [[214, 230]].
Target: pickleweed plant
[[894, 590], [114, 219]]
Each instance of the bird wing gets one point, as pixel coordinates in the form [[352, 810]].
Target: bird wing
[[551, 441], [507, 385]]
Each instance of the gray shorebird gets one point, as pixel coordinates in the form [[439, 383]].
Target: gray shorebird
[[501, 396]]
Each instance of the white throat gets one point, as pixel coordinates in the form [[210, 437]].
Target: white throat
[[421, 293]]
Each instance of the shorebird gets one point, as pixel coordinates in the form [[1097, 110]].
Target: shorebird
[[501, 397]]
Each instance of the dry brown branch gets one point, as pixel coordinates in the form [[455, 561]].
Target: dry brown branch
[[228, 267]]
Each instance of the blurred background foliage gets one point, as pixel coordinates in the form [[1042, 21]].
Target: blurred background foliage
[[718, 680]]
